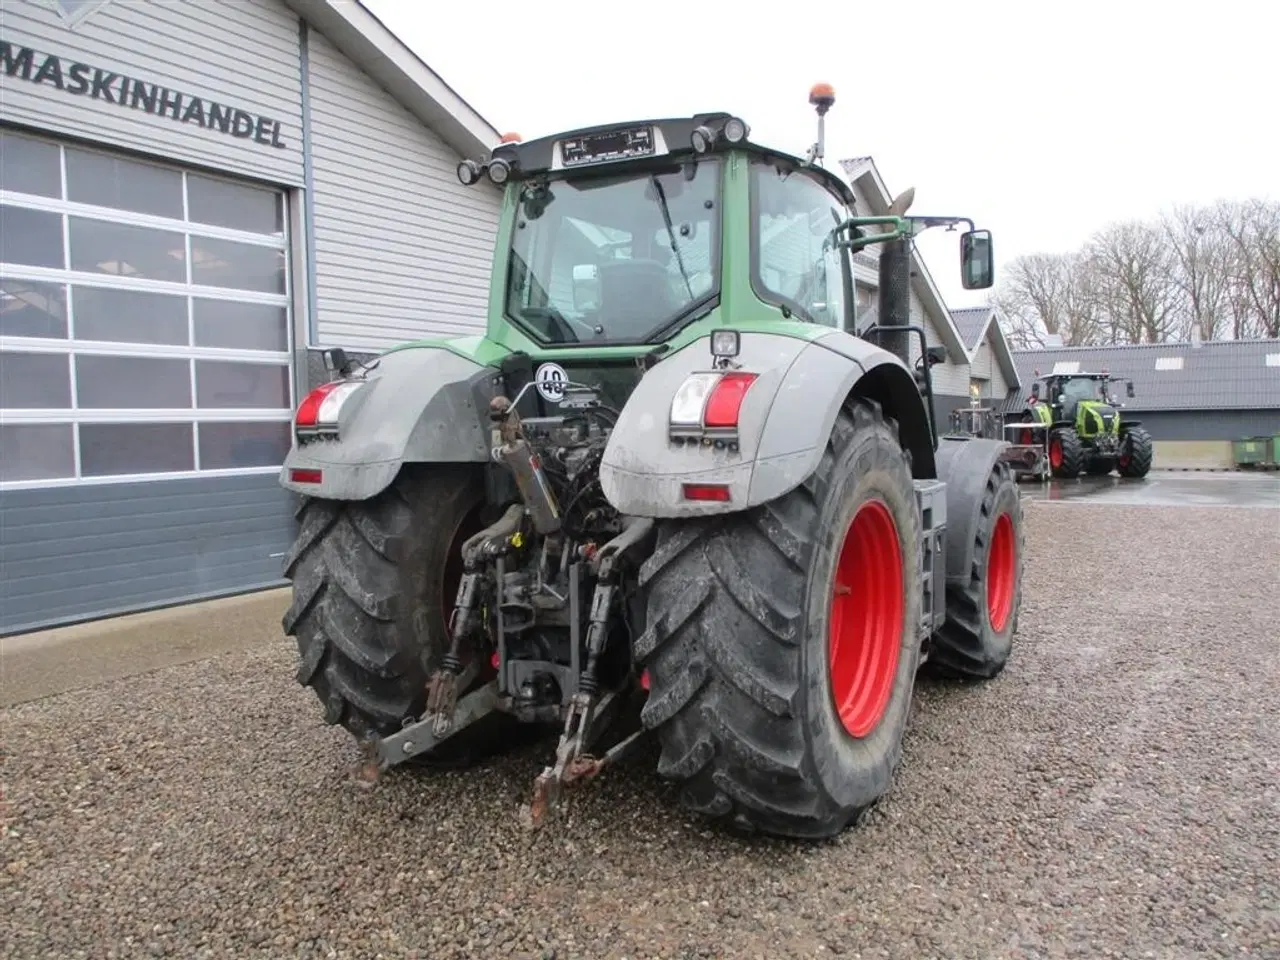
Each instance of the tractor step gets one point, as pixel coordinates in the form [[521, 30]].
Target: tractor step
[[931, 495]]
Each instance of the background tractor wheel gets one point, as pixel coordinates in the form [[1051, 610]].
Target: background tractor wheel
[[982, 611], [373, 582], [1066, 455], [782, 642], [1136, 453]]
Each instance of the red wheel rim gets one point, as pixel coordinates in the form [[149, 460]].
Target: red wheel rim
[[1000, 567], [1055, 452], [865, 631]]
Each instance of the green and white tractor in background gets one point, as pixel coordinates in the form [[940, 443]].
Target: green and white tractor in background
[[1085, 429], [669, 483]]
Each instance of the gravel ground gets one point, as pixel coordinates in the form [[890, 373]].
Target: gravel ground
[[1114, 793]]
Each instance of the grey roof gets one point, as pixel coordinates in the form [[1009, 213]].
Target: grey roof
[[971, 322], [1215, 375]]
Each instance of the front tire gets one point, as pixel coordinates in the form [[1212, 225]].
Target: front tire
[[372, 581], [782, 642], [1136, 453], [1066, 455], [976, 638]]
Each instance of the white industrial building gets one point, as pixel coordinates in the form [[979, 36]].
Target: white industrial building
[[194, 196]]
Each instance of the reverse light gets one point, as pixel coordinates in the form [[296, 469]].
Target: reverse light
[[323, 405], [691, 399]]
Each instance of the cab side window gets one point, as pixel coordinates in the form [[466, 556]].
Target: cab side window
[[797, 264]]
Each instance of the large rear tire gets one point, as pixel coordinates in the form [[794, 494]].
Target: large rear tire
[[782, 642], [976, 638], [373, 581], [1136, 453]]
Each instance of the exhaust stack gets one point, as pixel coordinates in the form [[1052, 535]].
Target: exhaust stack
[[895, 285]]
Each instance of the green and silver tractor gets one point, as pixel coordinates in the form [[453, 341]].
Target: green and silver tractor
[[668, 492], [1085, 430]]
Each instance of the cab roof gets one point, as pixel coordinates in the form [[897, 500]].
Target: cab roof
[[613, 144]]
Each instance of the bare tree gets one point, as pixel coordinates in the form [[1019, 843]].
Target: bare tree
[[1046, 295], [1202, 256], [1209, 271], [1134, 270], [1254, 231]]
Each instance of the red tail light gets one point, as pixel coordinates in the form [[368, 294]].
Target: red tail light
[[717, 492], [306, 476], [725, 400], [309, 410], [322, 408]]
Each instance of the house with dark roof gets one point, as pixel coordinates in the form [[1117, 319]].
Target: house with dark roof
[[992, 370], [1194, 398]]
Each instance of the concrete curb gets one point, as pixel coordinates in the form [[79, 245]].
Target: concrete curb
[[45, 663]]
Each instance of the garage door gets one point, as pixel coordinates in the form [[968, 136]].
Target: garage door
[[145, 385]]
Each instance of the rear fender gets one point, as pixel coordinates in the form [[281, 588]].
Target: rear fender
[[425, 405], [783, 426], [964, 464]]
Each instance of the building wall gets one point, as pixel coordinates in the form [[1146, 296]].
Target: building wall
[[1224, 425], [403, 250], [215, 83], [74, 552], [154, 300], [986, 368]]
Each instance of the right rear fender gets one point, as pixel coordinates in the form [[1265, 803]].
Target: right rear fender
[[420, 405]]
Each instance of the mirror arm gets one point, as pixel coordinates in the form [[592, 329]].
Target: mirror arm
[[948, 222]]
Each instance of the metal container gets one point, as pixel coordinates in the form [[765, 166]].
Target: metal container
[[1251, 451]]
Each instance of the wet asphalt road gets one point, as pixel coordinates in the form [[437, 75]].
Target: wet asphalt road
[[1115, 793], [1164, 489]]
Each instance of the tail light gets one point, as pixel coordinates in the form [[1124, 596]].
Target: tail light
[[709, 404], [319, 411], [713, 492]]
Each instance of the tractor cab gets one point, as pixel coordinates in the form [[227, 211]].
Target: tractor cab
[[1064, 393], [626, 241]]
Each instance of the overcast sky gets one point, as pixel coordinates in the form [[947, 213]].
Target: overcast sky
[[1042, 121]]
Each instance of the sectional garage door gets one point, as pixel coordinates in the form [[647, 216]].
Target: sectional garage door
[[145, 382]]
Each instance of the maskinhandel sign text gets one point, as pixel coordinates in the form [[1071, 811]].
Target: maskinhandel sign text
[[83, 80]]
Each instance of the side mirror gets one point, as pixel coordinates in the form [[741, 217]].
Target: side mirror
[[1035, 390], [977, 268], [1128, 389], [936, 354], [586, 287]]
